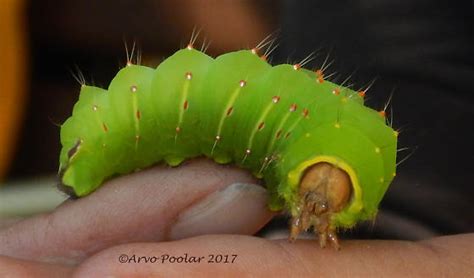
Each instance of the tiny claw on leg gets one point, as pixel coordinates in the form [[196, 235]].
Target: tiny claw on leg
[[323, 239], [334, 240], [295, 229], [324, 191]]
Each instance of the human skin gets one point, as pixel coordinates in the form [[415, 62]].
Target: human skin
[[192, 209]]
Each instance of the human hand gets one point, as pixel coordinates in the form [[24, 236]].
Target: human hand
[[162, 211]]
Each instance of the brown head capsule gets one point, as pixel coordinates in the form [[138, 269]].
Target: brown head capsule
[[324, 190]]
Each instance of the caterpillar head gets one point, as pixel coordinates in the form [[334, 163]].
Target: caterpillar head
[[324, 190]]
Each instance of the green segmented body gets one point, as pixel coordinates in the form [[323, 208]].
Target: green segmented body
[[274, 120]]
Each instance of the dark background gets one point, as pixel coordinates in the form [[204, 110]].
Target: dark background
[[421, 50]]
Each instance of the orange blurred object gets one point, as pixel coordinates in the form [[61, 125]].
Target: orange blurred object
[[12, 77]]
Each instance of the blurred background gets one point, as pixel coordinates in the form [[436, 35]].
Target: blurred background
[[421, 51]]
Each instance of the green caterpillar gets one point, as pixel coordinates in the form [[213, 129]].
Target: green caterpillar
[[324, 156]]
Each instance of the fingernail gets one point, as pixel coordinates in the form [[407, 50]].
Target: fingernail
[[237, 209]]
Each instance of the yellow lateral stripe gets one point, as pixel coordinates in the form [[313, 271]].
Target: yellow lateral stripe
[[134, 109], [295, 124], [230, 103], [184, 96], [261, 119], [280, 126]]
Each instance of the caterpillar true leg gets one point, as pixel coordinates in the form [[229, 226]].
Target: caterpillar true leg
[[324, 190]]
